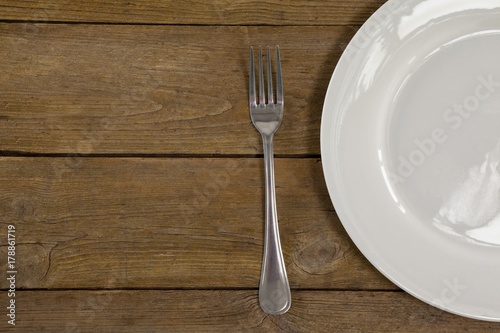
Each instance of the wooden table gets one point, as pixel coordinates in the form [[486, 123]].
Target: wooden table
[[134, 178]]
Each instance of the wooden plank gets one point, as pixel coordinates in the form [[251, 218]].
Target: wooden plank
[[232, 311], [221, 12], [94, 89], [171, 223]]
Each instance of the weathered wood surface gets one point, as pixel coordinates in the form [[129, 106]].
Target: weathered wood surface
[[131, 170], [156, 90], [233, 311], [171, 223], [218, 12]]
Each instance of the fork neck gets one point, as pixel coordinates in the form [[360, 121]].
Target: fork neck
[[267, 141]]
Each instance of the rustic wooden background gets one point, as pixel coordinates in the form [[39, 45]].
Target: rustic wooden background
[[134, 177]]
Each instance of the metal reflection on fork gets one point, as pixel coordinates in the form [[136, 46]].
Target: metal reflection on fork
[[266, 114]]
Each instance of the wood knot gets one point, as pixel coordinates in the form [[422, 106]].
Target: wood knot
[[318, 257], [24, 208], [35, 264]]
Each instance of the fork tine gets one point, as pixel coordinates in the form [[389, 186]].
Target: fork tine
[[279, 81], [251, 83], [270, 97], [262, 97]]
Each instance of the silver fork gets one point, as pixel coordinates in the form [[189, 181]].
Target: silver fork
[[274, 290]]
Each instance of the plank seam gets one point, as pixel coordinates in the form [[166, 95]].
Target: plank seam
[[9, 21], [146, 155]]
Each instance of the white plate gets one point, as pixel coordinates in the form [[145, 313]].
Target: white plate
[[410, 148]]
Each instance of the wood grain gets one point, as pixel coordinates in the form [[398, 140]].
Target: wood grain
[[128, 167], [171, 223], [220, 12], [90, 89], [233, 311]]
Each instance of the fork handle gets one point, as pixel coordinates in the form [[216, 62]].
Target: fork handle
[[274, 291]]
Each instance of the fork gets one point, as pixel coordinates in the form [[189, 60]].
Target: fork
[[266, 114]]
